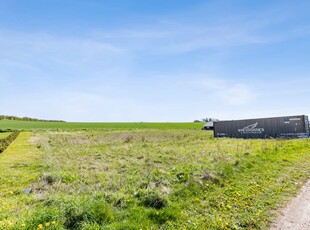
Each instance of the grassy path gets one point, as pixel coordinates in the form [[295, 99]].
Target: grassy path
[[296, 215], [19, 168]]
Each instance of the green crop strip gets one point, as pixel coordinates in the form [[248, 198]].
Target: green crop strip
[[31, 125]]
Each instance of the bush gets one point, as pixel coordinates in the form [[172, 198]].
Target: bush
[[5, 142]]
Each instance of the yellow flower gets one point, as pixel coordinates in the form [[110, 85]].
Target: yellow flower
[[47, 224], [23, 225], [40, 226], [11, 192], [53, 222]]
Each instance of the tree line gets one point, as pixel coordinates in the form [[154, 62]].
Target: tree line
[[206, 120], [6, 117]]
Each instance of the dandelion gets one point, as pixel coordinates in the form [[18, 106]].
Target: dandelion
[[40, 226], [258, 213], [47, 224], [53, 222]]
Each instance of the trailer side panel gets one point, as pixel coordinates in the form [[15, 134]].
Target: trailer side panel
[[276, 127]]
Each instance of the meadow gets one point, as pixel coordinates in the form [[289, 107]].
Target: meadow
[[146, 179]]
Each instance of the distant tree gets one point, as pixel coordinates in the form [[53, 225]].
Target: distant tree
[[205, 119], [209, 119], [6, 117]]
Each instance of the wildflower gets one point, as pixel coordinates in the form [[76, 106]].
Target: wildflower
[[11, 192], [23, 225], [40, 226], [53, 222], [47, 224], [258, 213]]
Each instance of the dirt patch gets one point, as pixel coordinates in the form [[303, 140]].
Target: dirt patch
[[297, 214]]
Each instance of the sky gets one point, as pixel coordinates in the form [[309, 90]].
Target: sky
[[154, 60]]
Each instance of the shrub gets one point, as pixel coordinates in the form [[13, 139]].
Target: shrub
[[5, 142]]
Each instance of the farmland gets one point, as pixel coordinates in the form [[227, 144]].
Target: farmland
[[31, 125], [146, 178]]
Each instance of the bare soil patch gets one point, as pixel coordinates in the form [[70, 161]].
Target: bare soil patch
[[297, 214]]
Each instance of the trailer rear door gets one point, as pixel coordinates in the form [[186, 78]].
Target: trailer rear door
[[307, 125]]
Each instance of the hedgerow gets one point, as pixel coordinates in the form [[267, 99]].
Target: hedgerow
[[5, 142]]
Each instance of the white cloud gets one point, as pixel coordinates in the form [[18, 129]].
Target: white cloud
[[236, 94], [176, 35], [182, 38], [228, 92], [32, 51]]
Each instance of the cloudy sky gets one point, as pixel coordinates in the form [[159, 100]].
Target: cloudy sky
[[154, 60]]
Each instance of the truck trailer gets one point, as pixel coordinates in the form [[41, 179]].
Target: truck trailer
[[273, 127]]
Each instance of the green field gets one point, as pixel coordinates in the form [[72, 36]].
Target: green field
[[146, 179], [30, 125]]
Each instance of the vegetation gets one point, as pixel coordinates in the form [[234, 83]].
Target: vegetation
[[146, 179], [206, 120], [6, 117], [4, 134], [29, 125], [6, 139]]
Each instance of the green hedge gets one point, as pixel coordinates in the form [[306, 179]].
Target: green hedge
[[5, 142]]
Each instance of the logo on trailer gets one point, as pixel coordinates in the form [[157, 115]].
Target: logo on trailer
[[251, 129]]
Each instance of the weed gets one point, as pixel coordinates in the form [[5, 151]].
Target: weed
[[151, 199], [162, 216], [87, 211], [128, 138]]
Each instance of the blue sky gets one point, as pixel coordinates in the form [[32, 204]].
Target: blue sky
[[135, 60]]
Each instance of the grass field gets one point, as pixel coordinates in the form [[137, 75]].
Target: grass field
[[146, 179], [31, 125]]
